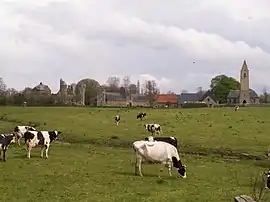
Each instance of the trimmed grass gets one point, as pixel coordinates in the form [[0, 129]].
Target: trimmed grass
[[97, 165]]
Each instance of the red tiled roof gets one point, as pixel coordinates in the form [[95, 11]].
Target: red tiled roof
[[167, 98]]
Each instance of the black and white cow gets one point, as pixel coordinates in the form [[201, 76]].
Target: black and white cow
[[236, 108], [41, 139], [157, 152], [5, 141], [19, 132], [153, 128], [267, 181], [141, 115], [117, 119], [171, 140]]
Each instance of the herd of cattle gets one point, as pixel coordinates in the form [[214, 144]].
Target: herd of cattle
[[32, 138], [157, 150]]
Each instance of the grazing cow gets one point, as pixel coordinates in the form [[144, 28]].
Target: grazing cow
[[267, 182], [141, 115], [171, 140], [41, 139], [153, 128], [5, 141], [19, 132], [236, 108], [157, 152], [117, 119]]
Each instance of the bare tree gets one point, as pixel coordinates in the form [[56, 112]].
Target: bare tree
[[265, 94], [151, 89], [3, 86], [138, 87], [126, 83], [113, 83], [199, 89], [170, 92]]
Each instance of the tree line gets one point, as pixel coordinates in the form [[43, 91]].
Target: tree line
[[11, 96], [220, 86]]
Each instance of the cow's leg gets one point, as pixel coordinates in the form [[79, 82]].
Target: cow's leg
[[19, 140], [28, 148], [46, 151], [42, 152], [138, 165], [169, 166], [4, 155], [160, 171], [1, 153]]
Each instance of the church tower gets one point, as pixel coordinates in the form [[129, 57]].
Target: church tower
[[244, 83]]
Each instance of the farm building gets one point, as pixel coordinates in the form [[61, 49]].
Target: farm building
[[122, 100], [199, 97], [169, 100]]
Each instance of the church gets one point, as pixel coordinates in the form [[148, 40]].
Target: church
[[245, 95]]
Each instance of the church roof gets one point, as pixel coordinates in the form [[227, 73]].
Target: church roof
[[236, 94]]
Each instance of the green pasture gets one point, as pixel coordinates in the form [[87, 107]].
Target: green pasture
[[224, 151]]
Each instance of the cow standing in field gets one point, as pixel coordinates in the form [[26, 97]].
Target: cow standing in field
[[41, 139], [153, 128], [267, 182], [236, 108], [157, 152], [171, 140], [117, 119], [5, 141], [141, 115], [19, 132]]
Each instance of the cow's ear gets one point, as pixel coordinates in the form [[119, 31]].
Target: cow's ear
[[59, 132]]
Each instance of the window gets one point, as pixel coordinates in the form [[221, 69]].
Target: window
[[245, 75]]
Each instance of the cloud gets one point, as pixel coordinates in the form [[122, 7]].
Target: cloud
[[181, 45]]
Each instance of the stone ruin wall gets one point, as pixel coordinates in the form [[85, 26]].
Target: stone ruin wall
[[67, 94]]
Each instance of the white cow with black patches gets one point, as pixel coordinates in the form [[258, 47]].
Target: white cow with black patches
[[153, 128], [117, 119], [5, 141], [157, 152], [41, 139], [19, 132]]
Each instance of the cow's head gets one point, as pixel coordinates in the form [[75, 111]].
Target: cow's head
[[54, 135], [11, 138], [182, 169], [145, 126]]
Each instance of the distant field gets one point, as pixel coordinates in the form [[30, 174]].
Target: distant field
[[223, 151]]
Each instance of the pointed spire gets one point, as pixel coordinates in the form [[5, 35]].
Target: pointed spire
[[244, 66]]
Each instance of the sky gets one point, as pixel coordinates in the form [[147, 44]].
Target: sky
[[180, 44]]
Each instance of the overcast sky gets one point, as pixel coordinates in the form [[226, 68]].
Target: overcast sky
[[43, 41]]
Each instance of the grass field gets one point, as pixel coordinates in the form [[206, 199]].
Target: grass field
[[223, 151]]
